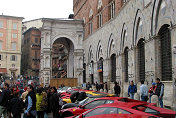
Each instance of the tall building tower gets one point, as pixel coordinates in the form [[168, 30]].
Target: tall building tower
[[10, 45], [31, 52]]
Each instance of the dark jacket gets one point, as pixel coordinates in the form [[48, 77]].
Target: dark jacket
[[54, 102], [16, 105], [158, 89], [33, 97], [117, 89], [5, 97]]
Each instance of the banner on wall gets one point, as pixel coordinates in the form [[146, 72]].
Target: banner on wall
[[99, 66]]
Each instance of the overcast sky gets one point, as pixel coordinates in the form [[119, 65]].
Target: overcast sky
[[33, 9]]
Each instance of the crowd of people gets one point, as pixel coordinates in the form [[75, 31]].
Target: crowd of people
[[146, 94], [30, 101]]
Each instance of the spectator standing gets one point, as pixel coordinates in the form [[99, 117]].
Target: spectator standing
[[106, 87], [39, 97], [30, 103], [54, 102], [152, 91], [16, 105], [97, 86], [117, 89], [4, 100], [88, 86], [132, 89], [159, 91], [143, 91]]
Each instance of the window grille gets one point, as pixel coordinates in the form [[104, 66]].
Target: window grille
[[166, 57], [126, 64], [113, 68], [141, 59]]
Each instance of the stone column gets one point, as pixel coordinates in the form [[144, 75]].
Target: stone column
[[173, 42], [78, 65]]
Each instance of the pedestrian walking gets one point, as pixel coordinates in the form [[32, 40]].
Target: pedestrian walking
[[30, 103], [152, 91], [143, 91], [117, 89], [159, 91], [132, 89], [97, 86]]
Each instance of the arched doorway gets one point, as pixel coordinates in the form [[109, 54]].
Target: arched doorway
[[165, 53], [62, 58], [113, 67], [126, 64], [141, 59], [100, 69]]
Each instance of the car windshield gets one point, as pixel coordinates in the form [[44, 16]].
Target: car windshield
[[146, 109]]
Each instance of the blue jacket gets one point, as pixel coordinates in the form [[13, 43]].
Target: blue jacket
[[132, 89]]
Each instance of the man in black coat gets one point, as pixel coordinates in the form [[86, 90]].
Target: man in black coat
[[4, 100], [117, 89], [16, 105], [54, 102]]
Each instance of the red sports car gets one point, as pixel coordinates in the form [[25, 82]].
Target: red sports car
[[97, 102], [112, 111], [147, 108]]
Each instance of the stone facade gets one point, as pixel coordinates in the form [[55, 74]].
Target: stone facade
[[136, 20], [68, 32], [30, 61], [10, 44]]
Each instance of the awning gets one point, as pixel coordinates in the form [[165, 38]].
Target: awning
[[3, 70]]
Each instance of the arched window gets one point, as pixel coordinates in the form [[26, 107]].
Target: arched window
[[126, 64], [165, 53], [141, 59], [113, 68]]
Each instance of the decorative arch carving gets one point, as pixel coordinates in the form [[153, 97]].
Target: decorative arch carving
[[90, 54], [124, 35], [159, 15], [138, 28], [111, 46], [99, 52], [72, 39]]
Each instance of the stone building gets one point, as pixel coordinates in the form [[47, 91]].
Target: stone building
[[61, 49], [10, 45], [138, 42], [30, 60]]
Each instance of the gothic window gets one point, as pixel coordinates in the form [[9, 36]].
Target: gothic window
[[141, 59], [90, 21], [90, 27], [100, 20], [112, 9], [165, 53], [126, 64]]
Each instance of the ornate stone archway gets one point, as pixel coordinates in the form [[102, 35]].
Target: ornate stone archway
[[61, 29]]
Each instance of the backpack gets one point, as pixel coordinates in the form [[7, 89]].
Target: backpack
[[44, 103]]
